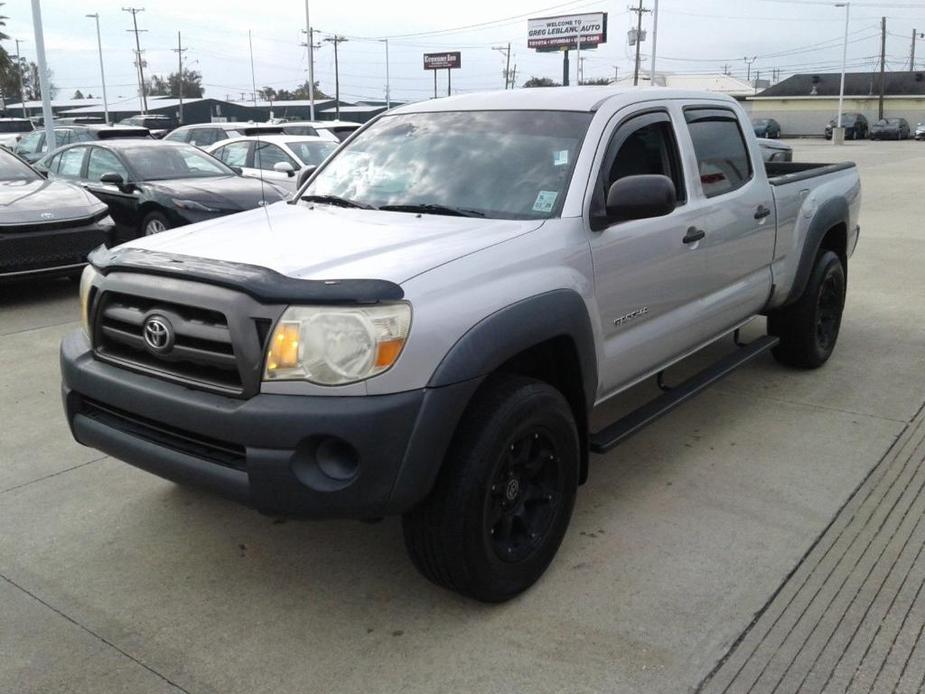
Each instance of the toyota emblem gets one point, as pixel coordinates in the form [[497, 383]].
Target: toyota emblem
[[158, 334]]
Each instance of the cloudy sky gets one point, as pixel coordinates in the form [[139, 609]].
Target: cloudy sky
[[694, 36]]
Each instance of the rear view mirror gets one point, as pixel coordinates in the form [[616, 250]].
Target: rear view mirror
[[641, 197], [284, 167]]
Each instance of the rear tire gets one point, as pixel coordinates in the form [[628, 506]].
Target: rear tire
[[504, 498], [808, 329]]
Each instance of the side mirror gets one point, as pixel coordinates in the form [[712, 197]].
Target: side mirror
[[306, 173], [641, 197], [237, 169], [284, 167], [115, 179]]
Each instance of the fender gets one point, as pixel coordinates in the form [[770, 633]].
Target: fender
[[505, 333], [830, 214]]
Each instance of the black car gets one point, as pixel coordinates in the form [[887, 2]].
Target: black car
[[46, 227], [855, 125], [890, 129], [153, 185], [767, 127], [32, 146], [159, 125]]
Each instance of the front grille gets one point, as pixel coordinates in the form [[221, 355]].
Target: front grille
[[202, 353], [189, 443], [43, 248]]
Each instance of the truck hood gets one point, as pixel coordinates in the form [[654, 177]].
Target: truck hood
[[327, 242]]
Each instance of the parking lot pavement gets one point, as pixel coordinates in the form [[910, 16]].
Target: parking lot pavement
[[114, 580]]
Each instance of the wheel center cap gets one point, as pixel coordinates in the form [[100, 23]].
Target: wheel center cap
[[512, 489]]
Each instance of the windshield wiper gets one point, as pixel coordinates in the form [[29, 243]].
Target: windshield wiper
[[336, 200], [433, 208]]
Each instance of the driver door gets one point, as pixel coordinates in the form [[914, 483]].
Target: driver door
[[123, 206]]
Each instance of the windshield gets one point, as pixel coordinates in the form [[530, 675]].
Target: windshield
[[15, 126], [162, 163], [500, 164], [312, 153], [11, 169]]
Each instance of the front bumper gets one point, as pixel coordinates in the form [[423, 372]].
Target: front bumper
[[314, 456], [55, 251]]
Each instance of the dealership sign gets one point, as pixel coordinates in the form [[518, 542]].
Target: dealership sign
[[555, 33], [442, 61]]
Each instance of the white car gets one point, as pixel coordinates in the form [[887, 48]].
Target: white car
[[333, 130], [285, 160], [13, 129]]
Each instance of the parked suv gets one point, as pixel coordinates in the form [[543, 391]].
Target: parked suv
[[428, 327], [12, 130], [855, 125], [891, 129], [158, 124], [33, 146], [205, 135]]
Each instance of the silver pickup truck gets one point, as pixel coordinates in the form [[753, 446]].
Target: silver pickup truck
[[426, 328]]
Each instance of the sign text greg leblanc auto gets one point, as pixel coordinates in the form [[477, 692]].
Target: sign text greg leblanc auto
[[553, 33]]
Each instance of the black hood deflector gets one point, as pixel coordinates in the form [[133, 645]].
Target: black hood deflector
[[261, 283]]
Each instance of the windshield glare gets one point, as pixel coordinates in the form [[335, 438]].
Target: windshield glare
[[11, 169], [499, 164], [163, 163]]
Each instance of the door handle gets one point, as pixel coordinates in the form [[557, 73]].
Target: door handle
[[762, 212], [693, 235]]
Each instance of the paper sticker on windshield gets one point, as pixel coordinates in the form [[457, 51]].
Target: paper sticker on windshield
[[545, 201], [560, 158]]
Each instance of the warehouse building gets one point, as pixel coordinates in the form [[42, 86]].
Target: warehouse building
[[804, 104]]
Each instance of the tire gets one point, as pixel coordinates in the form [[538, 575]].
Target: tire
[[154, 223], [504, 498], [808, 329]]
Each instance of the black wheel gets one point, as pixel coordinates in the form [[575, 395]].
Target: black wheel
[[154, 223], [504, 497], [808, 329]]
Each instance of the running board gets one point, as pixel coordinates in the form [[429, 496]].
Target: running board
[[608, 437]]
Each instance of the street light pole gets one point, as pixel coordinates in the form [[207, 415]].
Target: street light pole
[[844, 64], [99, 43], [654, 42], [388, 87]]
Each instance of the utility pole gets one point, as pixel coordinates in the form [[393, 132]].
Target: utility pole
[[337, 39], [616, 74], [639, 12], [139, 61], [507, 65], [99, 43], [250, 42], [514, 77], [915, 35], [179, 50], [882, 63], [50, 142], [749, 61], [839, 126], [726, 69], [654, 42], [388, 87], [22, 91], [310, 40]]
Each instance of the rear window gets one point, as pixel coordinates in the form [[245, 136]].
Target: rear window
[[16, 126], [722, 156]]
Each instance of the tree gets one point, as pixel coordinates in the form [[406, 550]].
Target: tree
[[170, 85], [78, 95], [541, 82], [597, 81]]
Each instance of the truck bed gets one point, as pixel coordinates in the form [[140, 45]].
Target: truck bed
[[783, 172]]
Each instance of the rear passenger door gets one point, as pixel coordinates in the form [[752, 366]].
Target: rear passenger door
[[734, 208]]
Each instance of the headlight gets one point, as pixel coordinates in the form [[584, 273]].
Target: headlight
[[333, 345], [193, 205], [86, 282]]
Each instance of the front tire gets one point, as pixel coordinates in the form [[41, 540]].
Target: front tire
[[154, 223], [504, 498], [808, 329]]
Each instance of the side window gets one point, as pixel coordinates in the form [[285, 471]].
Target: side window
[[643, 145], [71, 162], [234, 154], [30, 143], [208, 136], [52, 166], [266, 156], [722, 156], [179, 136], [102, 161]]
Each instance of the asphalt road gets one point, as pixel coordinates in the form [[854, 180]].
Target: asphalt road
[[112, 580]]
